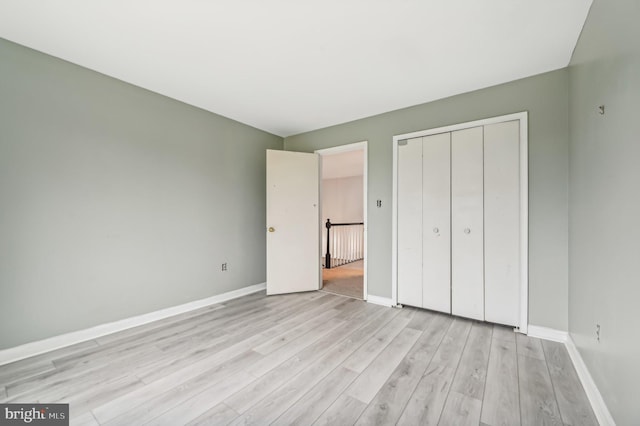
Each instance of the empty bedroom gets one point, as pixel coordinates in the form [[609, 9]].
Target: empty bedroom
[[305, 213]]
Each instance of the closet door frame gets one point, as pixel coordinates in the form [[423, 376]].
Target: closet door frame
[[522, 117]]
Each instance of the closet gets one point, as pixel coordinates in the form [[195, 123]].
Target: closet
[[459, 222]]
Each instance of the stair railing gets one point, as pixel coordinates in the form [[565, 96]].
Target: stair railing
[[345, 243]]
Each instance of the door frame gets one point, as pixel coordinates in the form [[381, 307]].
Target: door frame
[[522, 117], [357, 146]]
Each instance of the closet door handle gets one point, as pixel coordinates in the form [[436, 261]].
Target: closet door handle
[[467, 231]]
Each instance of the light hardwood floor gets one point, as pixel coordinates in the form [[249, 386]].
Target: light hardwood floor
[[310, 358]]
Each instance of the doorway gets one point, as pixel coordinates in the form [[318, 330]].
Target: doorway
[[343, 220]]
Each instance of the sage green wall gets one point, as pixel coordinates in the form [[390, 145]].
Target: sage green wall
[[116, 201], [546, 98], [604, 231]]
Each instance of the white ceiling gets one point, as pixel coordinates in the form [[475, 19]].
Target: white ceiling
[[290, 66], [342, 165]]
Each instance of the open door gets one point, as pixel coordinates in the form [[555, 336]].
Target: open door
[[293, 214]]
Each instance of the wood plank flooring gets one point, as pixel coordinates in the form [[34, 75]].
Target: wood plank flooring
[[309, 358]]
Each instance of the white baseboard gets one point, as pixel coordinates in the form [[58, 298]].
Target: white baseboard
[[547, 333], [377, 300], [35, 348], [595, 398]]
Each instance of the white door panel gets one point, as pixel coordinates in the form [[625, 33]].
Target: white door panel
[[502, 222], [410, 223], [436, 216], [293, 246], [467, 252], [460, 223]]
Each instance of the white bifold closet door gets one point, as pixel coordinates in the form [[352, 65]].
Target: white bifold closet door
[[467, 227], [459, 222], [436, 222], [502, 222], [410, 223]]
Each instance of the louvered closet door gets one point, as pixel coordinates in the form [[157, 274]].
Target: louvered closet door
[[502, 222], [436, 216], [410, 223], [467, 253]]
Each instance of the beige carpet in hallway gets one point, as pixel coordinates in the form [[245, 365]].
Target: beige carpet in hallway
[[346, 280]]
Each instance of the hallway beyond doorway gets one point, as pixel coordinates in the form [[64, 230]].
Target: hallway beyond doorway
[[346, 280]]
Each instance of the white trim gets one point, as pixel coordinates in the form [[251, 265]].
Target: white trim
[[524, 203], [41, 346], [383, 301], [340, 149], [524, 220], [356, 146], [394, 223], [547, 333], [461, 126], [595, 398], [365, 212]]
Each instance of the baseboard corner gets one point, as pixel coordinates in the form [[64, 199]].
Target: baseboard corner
[[598, 405], [547, 333]]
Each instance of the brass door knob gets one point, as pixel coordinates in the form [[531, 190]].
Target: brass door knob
[[272, 229]]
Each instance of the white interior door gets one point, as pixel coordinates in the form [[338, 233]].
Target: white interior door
[[436, 225], [410, 223], [502, 222], [293, 216], [467, 241]]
